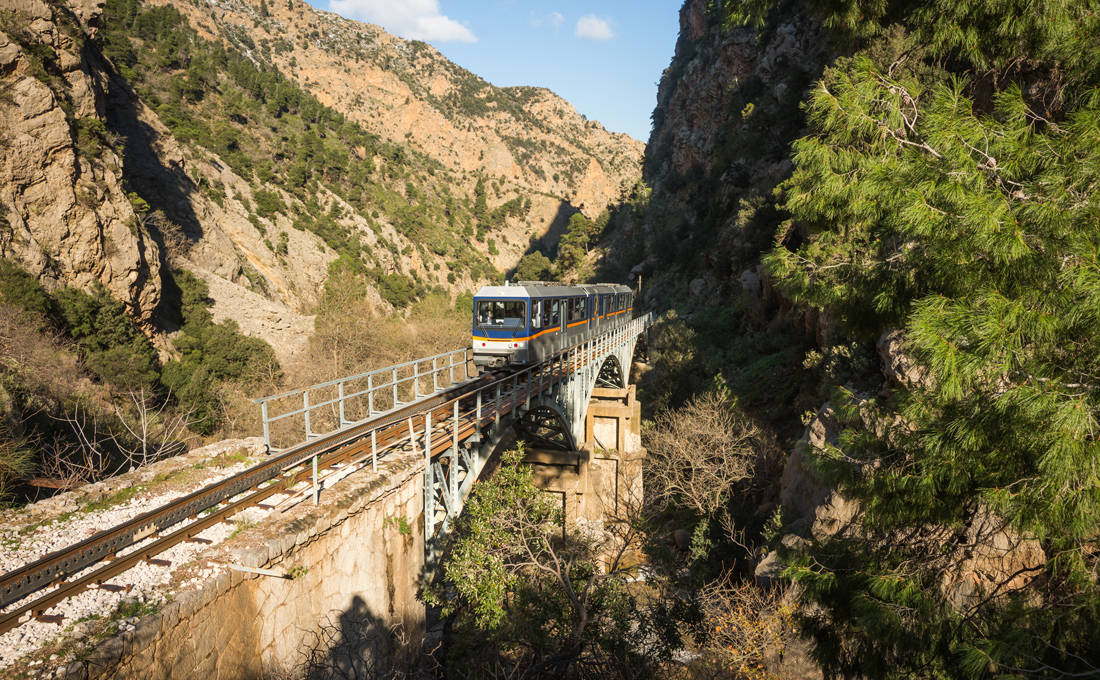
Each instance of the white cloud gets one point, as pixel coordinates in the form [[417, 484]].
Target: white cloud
[[553, 19], [592, 27], [412, 19]]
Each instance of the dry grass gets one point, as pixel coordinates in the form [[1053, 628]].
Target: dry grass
[[351, 337]]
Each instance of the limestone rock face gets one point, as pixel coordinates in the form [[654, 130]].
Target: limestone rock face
[[999, 557], [64, 214], [897, 365], [694, 111]]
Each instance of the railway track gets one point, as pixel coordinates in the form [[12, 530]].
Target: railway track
[[184, 518], [435, 423]]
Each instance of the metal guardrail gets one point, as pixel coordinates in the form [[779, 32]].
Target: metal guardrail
[[460, 411], [372, 394]]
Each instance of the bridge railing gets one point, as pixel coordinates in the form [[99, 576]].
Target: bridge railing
[[309, 412], [300, 415]]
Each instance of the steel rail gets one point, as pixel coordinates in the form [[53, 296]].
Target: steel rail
[[373, 435], [32, 577]]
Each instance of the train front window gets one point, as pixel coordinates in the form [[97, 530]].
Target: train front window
[[505, 314]]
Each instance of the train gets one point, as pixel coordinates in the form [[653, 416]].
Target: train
[[529, 321]]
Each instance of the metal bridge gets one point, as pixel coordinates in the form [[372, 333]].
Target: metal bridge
[[438, 405]]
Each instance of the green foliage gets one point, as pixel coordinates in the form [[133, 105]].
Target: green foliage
[[961, 207], [91, 136], [977, 34], [268, 203], [20, 289], [535, 267], [211, 353], [481, 206], [581, 234], [522, 594], [17, 460], [111, 344]]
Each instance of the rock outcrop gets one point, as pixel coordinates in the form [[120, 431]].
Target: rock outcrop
[[64, 213]]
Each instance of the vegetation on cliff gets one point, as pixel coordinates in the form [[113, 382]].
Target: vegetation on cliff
[[939, 199], [288, 145]]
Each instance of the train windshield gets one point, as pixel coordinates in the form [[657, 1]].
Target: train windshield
[[507, 314]]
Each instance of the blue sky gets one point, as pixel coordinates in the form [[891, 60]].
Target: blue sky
[[605, 58]]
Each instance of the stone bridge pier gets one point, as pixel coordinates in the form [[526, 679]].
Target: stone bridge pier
[[602, 479]]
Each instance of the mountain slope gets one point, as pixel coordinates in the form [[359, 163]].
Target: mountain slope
[[407, 92], [206, 156]]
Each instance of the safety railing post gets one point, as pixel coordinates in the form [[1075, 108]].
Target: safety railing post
[[527, 389], [316, 494], [340, 396], [370, 396], [451, 366], [305, 407], [435, 376], [477, 415], [454, 456], [416, 380], [267, 424], [428, 438], [496, 407], [395, 400]]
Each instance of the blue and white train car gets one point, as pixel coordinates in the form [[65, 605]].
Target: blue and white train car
[[525, 323]]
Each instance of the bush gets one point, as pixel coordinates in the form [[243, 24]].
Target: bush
[[20, 289], [111, 344]]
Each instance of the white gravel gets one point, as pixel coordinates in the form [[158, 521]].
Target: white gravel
[[144, 583], [18, 549]]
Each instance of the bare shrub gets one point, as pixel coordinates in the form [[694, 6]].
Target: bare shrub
[[697, 454], [36, 359], [67, 465], [746, 627], [353, 337], [358, 646], [153, 427]]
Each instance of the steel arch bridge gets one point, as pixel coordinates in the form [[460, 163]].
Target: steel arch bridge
[[439, 406]]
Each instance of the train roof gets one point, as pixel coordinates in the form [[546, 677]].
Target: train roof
[[537, 289]]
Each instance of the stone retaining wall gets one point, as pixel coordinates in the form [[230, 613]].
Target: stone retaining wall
[[356, 560]]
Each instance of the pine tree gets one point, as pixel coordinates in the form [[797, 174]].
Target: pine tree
[[949, 187]]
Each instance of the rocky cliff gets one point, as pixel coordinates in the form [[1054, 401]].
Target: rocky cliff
[[529, 139], [64, 213]]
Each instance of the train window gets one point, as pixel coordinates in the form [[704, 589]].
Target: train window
[[555, 313], [622, 301], [536, 314], [576, 309], [502, 314]]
